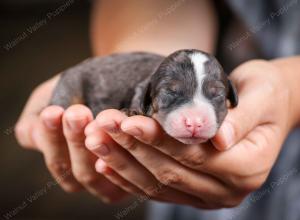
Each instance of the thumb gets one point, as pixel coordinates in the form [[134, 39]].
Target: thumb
[[239, 122], [29, 119], [24, 131]]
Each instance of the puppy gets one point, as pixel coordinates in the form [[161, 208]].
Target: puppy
[[186, 92]]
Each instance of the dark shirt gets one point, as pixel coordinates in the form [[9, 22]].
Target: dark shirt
[[275, 26]]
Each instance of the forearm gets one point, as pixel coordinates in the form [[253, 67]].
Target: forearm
[[154, 26], [290, 68]]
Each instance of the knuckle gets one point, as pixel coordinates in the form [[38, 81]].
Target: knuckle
[[88, 179], [58, 167], [116, 164], [169, 177], [20, 131], [70, 188], [157, 142], [232, 202], [226, 201], [75, 141], [248, 184], [194, 160], [120, 166], [130, 143]]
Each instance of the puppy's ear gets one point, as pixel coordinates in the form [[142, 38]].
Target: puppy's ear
[[232, 94], [146, 102]]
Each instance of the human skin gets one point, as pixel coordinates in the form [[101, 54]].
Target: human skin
[[59, 134], [248, 143]]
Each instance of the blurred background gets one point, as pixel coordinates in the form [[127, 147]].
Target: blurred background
[[26, 60], [34, 46]]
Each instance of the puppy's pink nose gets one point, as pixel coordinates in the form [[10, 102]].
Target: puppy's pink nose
[[193, 125]]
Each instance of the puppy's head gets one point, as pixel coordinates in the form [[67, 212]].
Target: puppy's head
[[187, 95]]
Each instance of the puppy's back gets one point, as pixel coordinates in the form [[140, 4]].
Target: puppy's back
[[104, 82]]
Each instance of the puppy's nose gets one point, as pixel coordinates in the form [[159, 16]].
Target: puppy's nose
[[193, 125]]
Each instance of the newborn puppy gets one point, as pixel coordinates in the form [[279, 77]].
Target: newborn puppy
[[185, 92]]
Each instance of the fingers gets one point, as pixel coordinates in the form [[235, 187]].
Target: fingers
[[224, 166], [75, 120], [115, 178], [204, 158], [44, 132], [236, 167], [150, 132], [105, 148], [51, 142], [166, 170], [97, 142], [128, 168]]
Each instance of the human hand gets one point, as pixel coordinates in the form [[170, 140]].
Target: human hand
[[200, 175], [59, 135]]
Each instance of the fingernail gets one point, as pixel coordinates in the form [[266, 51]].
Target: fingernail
[[227, 131], [102, 150], [50, 124], [134, 131], [76, 125], [100, 166]]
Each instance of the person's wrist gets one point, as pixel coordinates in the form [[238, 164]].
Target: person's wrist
[[291, 89], [272, 78]]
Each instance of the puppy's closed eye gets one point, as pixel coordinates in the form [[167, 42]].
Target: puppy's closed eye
[[217, 92], [214, 89], [173, 92]]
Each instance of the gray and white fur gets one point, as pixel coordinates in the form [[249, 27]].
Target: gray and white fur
[[186, 92]]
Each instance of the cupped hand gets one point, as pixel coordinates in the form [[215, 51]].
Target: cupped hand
[[59, 135], [212, 175]]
